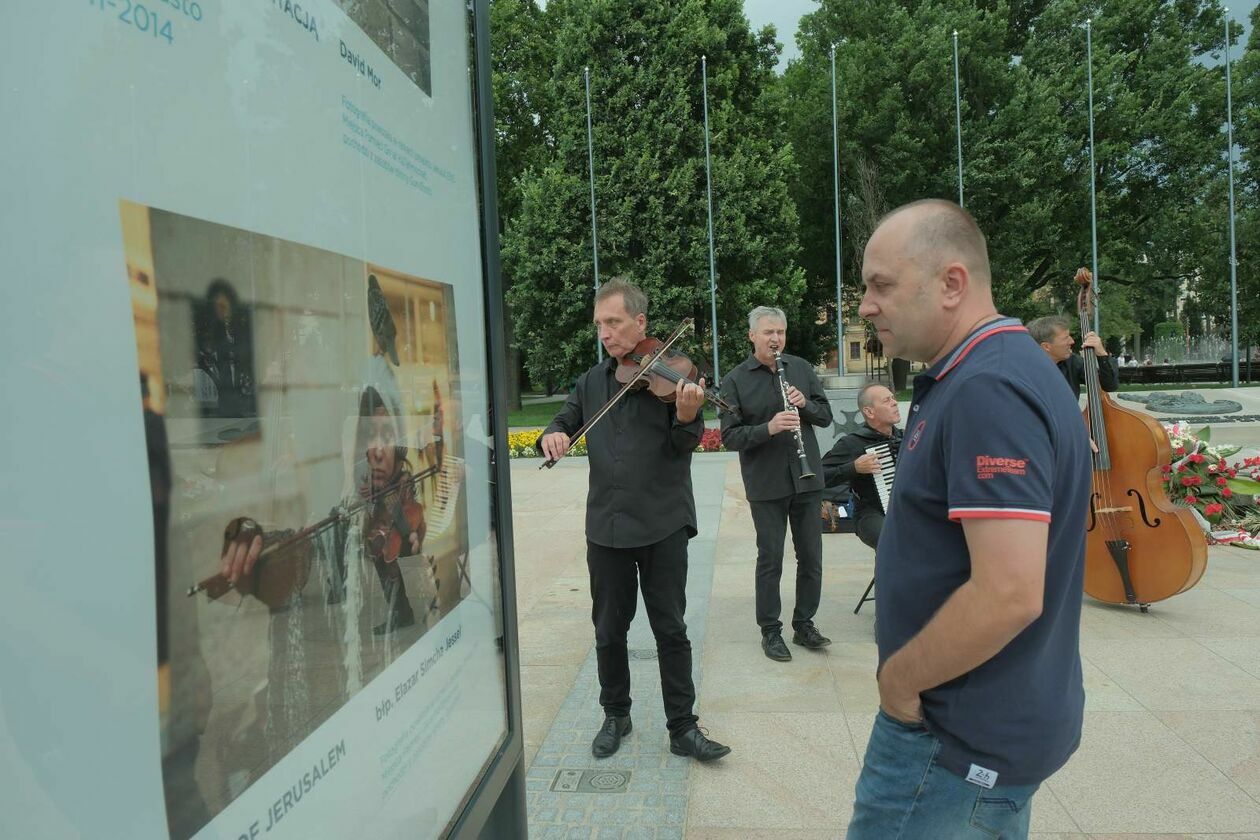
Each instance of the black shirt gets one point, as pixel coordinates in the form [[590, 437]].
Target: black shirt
[[640, 462], [769, 463], [1073, 370], [838, 465]]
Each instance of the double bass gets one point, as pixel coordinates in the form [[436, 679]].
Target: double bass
[[1140, 548]]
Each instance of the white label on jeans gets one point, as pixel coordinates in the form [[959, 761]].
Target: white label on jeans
[[982, 776]]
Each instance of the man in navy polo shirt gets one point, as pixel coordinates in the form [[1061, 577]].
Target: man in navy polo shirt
[[980, 568]]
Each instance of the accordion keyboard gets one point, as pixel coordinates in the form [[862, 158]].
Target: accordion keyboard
[[887, 471]]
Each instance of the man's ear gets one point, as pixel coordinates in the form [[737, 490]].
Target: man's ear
[[955, 283]]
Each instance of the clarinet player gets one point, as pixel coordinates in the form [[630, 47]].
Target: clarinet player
[[777, 400]]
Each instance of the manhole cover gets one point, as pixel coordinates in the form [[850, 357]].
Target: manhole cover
[[608, 781], [591, 781], [643, 653]]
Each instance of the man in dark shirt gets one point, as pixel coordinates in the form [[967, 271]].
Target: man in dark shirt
[[980, 569], [848, 462], [769, 437], [1054, 334], [640, 513]]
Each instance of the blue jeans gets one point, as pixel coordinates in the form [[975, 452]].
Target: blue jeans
[[903, 794]]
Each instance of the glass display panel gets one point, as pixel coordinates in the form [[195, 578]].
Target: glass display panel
[[260, 592]]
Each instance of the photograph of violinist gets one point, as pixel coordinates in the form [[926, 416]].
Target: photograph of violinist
[[1140, 547], [641, 420], [296, 563]]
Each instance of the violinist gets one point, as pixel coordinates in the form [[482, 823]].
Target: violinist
[[395, 520], [1054, 334], [640, 514], [392, 526], [771, 428]]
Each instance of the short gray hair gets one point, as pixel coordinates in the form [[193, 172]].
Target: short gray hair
[[1045, 328], [765, 312], [864, 399], [632, 296]]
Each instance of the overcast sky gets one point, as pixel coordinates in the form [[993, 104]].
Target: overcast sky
[[785, 14]]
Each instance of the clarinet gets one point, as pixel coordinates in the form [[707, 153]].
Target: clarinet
[[787, 406]]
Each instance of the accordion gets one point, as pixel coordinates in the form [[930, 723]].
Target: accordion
[[887, 471]]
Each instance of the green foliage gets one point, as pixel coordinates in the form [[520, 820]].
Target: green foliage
[[1159, 108], [1169, 329], [1158, 119], [648, 126]]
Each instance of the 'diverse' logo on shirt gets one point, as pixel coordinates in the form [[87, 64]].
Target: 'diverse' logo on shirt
[[987, 466]]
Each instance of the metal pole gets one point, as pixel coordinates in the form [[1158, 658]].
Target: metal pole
[[835, 167], [590, 158], [708, 179], [1233, 256], [1093, 200], [958, 121]]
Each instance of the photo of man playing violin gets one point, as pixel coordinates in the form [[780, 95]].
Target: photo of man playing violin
[[640, 512]]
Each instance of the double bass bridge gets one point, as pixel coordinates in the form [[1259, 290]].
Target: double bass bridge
[[1115, 510]]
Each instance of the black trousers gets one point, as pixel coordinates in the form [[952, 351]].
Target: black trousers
[[868, 526], [661, 571], [771, 519]]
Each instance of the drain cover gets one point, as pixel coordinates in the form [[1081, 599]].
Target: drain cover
[[591, 781], [642, 653]]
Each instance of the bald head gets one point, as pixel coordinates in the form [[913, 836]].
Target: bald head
[[927, 278], [935, 232]]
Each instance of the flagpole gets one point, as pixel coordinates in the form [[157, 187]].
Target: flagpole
[[958, 121], [708, 178], [590, 158], [1093, 200], [835, 166], [1233, 256]]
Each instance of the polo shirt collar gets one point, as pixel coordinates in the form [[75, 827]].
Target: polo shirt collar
[[939, 370]]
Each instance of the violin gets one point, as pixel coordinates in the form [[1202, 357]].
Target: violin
[[284, 563], [1139, 546], [388, 538], [662, 375], [657, 367]]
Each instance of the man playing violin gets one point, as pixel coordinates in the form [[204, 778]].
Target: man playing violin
[[766, 433], [640, 513]]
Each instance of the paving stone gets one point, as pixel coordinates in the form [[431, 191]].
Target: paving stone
[[654, 802]]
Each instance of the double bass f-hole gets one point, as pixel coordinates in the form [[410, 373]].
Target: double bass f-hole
[[1142, 510]]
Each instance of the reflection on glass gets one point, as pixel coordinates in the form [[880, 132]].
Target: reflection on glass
[[317, 514]]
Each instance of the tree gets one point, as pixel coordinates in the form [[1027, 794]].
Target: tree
[[1214, 286], [520, 62], [1158, 119], [648, 125]]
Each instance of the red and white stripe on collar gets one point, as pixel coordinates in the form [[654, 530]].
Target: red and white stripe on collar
[[1001, 325]]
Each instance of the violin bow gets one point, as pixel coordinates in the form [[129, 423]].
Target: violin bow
[[644, 369], [338, 514]]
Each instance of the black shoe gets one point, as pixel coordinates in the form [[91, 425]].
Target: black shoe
[[608, 739], [396, 621], [772, 644], [693, 743], [807, 635]]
